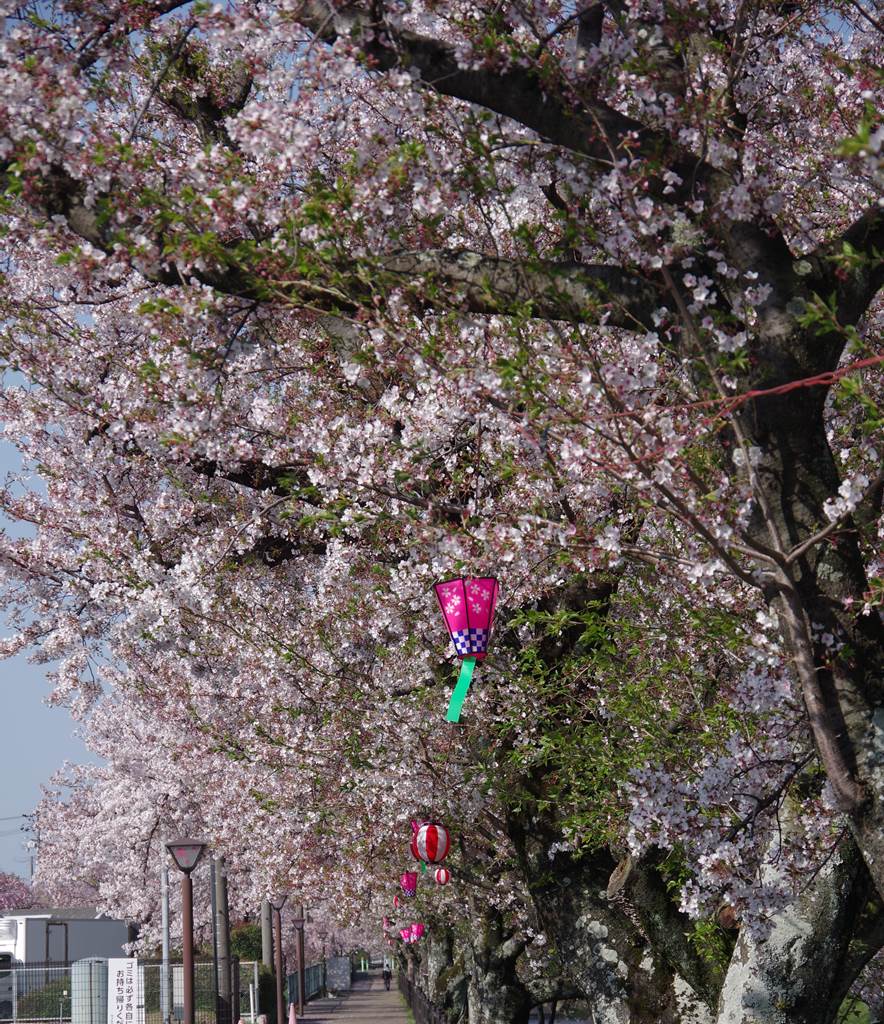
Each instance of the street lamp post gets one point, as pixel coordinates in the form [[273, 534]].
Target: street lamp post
[[186, 854], [277, 903], [298, 922]]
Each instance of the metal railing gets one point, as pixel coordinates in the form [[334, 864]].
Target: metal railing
[[423, 1010], [314, 983], [58, 993], [37, 992]]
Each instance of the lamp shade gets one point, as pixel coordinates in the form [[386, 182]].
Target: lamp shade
[[468, 609], [186, 853], [278, 902]]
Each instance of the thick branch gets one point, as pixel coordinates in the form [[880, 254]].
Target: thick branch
[[669, 930], [596, 130], [852, 265], [469, 281], [279, 480]]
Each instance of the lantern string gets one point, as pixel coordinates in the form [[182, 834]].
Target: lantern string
[[460, 690]]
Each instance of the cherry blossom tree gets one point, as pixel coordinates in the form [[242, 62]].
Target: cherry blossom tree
[[15, 893], [309, 305]]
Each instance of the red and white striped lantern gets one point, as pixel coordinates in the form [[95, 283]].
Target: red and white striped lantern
[[442, 876], [430, 842]]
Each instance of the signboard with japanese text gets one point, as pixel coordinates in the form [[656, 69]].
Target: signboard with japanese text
[[122, 990]]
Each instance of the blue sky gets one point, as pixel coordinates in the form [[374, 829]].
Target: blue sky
[[36, 739]]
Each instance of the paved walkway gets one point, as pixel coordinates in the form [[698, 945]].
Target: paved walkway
[[367, 1003]]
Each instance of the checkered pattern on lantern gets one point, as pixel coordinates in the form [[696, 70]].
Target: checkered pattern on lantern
[[470, 641]]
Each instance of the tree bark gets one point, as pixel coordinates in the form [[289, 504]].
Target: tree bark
[[495, 994], [800, 973]]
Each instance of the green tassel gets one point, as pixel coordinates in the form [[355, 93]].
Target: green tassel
[[460, 691]]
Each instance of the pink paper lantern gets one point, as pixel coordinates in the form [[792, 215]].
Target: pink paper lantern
[[467, 605], [406, 934], [417, 932], [408, 882], [468, 609], [442, 876]]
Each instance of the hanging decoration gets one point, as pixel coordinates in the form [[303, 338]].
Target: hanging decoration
[[396, 901], [468, 609], [430, 842], [442, 876], [413, 932], [408, 882]]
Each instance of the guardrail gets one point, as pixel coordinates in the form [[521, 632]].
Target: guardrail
[[314, 983], [419, 1003]]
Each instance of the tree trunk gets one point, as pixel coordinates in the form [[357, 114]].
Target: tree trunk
[[800, 973], [495, 995], [446, 979], [837, 652]]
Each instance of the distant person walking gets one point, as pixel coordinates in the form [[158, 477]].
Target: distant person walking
[[388, 977]]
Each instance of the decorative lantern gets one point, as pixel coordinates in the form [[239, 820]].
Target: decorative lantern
[[396, 901], [417, 932], [406, 934], [408, 881], [468, 609], [442, 876], [430, 842]]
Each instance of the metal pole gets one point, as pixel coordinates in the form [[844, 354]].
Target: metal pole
[[187, 948], [302, 970], [266, 935], [166, 970], [214, 936], [235, 990], [222, 945], [280, 1005]]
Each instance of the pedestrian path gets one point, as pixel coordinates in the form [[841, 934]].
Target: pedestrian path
[[367, 1002]]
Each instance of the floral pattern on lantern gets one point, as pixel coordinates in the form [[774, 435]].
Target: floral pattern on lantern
[[468, 609], [468, 605]]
